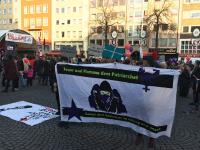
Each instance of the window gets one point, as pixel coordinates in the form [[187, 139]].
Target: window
[[26, 22], [185, 29], [121, 29], [10, 10], [74, 9], [80, 34], [25, 10], [57, 34], [165, 27], [68, 9], [80, 21], [130, 31], [62, 10], [32, 9], [32, 22], [62, 34], [45, 8], [115, 2], [74, 21], [68, 34], [93, 30], [99, 42], [121, 2], [10, 21], [38, 22], [38, 9], [4, 11], [172, 42], [163, 42], [45, 21], [80, 9], [120, 42], [74, 34], [68, 21], [138, 13], [100, 3], [57, 10], [99, 29], [4, 21], [92, 41], [45, 34], [57, 22], [92, 3]]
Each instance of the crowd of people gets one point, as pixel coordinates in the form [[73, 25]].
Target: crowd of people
[[22, 71]]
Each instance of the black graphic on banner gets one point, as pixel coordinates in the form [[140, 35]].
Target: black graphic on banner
[[105, 98], [118, 75], [19, 107], [73, 111]]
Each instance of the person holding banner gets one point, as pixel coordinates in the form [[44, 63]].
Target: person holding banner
[[147, 62]]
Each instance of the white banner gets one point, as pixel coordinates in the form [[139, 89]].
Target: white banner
[[27, 113], [143, 99], [20, 38]]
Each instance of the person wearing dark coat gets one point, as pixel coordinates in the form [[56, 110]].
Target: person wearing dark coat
[[196, 83], [10, 73], [184, 81]]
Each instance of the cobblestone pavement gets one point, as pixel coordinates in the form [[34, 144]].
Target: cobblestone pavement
[[89, 136]]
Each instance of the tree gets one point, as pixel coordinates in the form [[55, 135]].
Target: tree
[[106, 18], [160, 16]]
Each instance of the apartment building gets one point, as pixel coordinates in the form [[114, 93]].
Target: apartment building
[[168, 34], [10, 14], [115, 12], [190, 29], [70, 24], [36, 19]]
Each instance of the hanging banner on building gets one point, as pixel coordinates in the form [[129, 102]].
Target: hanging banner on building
[[112, 52], [95, 50], [19, 38], [143, 99]]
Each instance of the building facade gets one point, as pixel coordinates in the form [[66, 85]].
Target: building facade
[[10, 14], [168, 34], [70, 24], [36, 19], [114, 12], [190, 29]]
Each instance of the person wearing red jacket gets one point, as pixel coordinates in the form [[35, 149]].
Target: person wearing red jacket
[[10, 73]]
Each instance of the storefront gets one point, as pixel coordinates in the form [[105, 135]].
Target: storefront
[[165, 54], [17, 43]]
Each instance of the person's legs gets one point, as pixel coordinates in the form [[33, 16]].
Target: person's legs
[[13, 84], [31, 81], [6, 85], [139, 139], [151, 143]]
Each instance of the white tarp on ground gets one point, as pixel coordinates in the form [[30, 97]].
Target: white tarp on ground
[[27, 113], [143, 99]]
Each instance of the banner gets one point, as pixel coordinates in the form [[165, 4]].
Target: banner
[[27, 113], [95, 50], [143, 99], [112, 52], [20, 38]]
